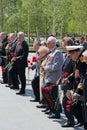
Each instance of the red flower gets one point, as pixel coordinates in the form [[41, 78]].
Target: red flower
[[69, 102], [64, 75], [34, 59], [68, 108], [28, 61], [31, 63], [48, 89], [42, 88], [13, 54], [3, 69]]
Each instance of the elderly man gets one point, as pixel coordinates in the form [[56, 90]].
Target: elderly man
[[20, 61], [10, 49], [35, 81], [52, 71], [67, 68]]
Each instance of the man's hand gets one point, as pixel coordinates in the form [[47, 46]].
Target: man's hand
[[65, 81], [76, 96], [45, 68], [58, 82], [30, 66], [77, 75], [13, 59]]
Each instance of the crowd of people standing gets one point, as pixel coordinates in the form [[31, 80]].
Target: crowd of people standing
[[13, 60], [67, 69], [54, 68]]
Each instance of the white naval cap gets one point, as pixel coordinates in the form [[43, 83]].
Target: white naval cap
[[84, 53], [73, 48]]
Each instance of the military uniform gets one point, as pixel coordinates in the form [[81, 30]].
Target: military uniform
[[52, 74], [81, 67], [67, 69]]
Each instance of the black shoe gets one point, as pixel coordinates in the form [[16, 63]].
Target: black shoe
[[7, 86], [20, 93], [41, 106], [48, 112], [2, 82], [53, 116], [45, 110], [68, 125], [13, 87], [34, 100], [79, 124]]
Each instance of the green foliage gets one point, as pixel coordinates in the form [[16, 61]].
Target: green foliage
[[43, 16]]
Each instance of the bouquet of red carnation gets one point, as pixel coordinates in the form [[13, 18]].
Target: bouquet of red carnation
[[64, 75], [28, 61], [34, 59], [69, 103], [3, 69], [13, 54], [48, 89]]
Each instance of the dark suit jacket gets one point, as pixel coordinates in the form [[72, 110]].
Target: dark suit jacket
[[68, 67], [22, 54]]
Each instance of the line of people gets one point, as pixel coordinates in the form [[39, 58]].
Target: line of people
[[53, 69], [13, 60], [68, 70]]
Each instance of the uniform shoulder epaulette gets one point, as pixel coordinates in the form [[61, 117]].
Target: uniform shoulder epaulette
[[80, 59], [80, 86]]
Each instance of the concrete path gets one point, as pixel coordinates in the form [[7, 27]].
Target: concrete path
[[18, 113]]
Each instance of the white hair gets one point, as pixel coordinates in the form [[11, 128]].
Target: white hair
[[52, 39], [85, 53], [12, 35], [20, 33], [3, 33]]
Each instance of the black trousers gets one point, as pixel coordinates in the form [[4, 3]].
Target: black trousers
[[68, 114], [75, 110], [19, 71], [13, 77], [35, 87], [22, 77], [5, 77]]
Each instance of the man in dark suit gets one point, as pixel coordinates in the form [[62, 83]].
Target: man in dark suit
[[20, 61], [10, 49], [3, 44], [67, 69]]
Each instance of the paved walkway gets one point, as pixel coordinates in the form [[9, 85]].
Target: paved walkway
[[18, 113]]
